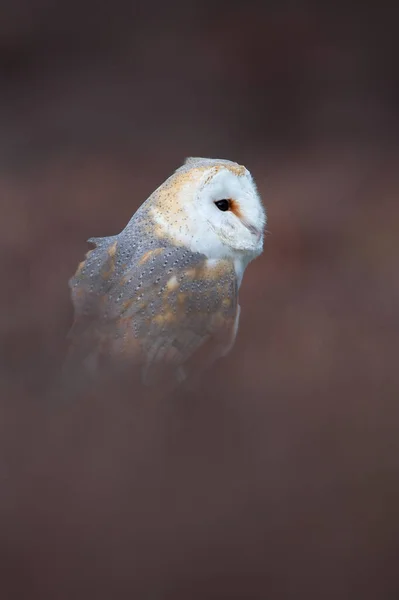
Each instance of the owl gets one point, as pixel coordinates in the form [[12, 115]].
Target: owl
[[161, 296]]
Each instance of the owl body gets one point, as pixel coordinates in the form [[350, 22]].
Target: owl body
[[162, 295]]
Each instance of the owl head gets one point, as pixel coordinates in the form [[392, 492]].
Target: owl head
[[211, 206]]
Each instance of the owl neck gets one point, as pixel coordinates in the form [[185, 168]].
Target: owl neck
[[240, 264]]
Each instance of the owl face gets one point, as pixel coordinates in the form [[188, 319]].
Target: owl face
[[228, 214]]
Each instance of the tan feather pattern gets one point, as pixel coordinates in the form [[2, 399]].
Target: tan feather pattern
[[156, 314]]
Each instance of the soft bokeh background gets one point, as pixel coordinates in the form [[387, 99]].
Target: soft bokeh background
[[283, 481]]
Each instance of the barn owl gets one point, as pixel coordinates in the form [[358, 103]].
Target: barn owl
[[162, 295]]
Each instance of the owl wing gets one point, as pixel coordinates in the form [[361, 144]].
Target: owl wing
[[165, 309]]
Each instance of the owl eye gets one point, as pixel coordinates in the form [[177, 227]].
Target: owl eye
[[223, 204]]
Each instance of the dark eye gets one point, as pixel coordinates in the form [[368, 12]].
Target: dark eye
[[223, 204]]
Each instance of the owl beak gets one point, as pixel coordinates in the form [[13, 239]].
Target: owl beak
[[255, 231]]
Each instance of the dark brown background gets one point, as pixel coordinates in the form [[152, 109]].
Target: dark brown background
[[283, 481]]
